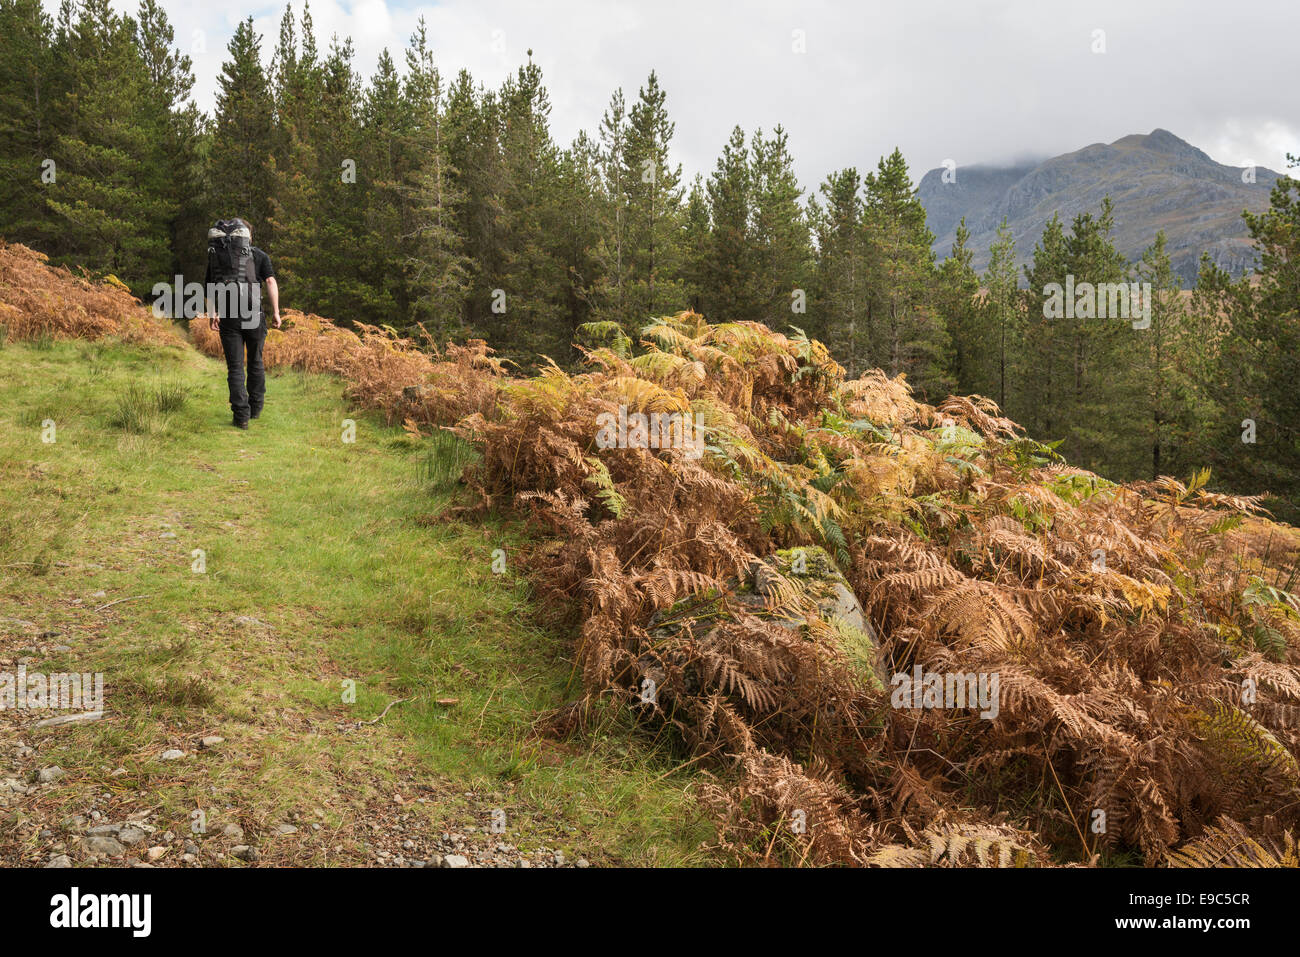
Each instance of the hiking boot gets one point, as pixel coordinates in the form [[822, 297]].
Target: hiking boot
[[255, 413], [239, 423]]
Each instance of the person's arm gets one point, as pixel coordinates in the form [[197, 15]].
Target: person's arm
[[213, 322], [273, 292]]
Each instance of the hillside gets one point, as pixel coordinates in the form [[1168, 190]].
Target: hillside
[[223, 679], [737, 612], [1156, 181]]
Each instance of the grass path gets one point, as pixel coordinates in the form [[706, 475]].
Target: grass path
[[322, 564]]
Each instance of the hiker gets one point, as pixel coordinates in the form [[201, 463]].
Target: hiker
[[236, 268]]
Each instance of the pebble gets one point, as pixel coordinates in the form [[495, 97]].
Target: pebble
[[60, 860], [130, 835], [246, 853], [104, 846], [84, 718], [455, 860], [49, 775], [211, 741], [171, 754]]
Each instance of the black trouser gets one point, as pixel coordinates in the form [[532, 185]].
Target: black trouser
[[234, 340]]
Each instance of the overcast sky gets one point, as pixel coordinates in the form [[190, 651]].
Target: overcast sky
[[967, 81]]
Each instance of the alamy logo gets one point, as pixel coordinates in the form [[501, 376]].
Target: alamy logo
[[658, 430], [946, 689], [231, 300], [55, 692], [103, 910], [1106, 300]]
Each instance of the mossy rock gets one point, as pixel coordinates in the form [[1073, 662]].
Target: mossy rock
[[818, 574]]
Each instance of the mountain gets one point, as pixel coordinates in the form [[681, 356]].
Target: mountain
[[1156, 181]]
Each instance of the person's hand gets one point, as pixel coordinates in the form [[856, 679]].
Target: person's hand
[[214, 323], [277, 320]]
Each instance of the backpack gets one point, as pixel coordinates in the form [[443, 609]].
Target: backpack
[[230, 258]]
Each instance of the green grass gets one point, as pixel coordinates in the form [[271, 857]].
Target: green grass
[[338, 549]]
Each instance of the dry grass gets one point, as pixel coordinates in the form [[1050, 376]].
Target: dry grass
[[1145, 636], [39, 301]]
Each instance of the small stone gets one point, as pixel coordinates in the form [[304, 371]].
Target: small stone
[[246, 853], [130, 835], [154, 853], [583, 862], [189, 858], [50, 775], [60, 860], [233, 830], [83, 718], [171, 754], [285, 829], [104, 846], [455, 860], [167, 535], [211, 741]]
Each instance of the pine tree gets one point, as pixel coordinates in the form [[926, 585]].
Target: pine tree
[[385, 126], [437, 268], [1000, 321], [29, 88], [955, 301], [906, 333], [839, 287], [782, 255], [299, 194], [653, 193], [611, 287], [108, 197], [177, 127], [695, 244], [1037, 364], [532, 280], [473, 128], [243, 136], [731, 267], [1159, 369], [578, 237]]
